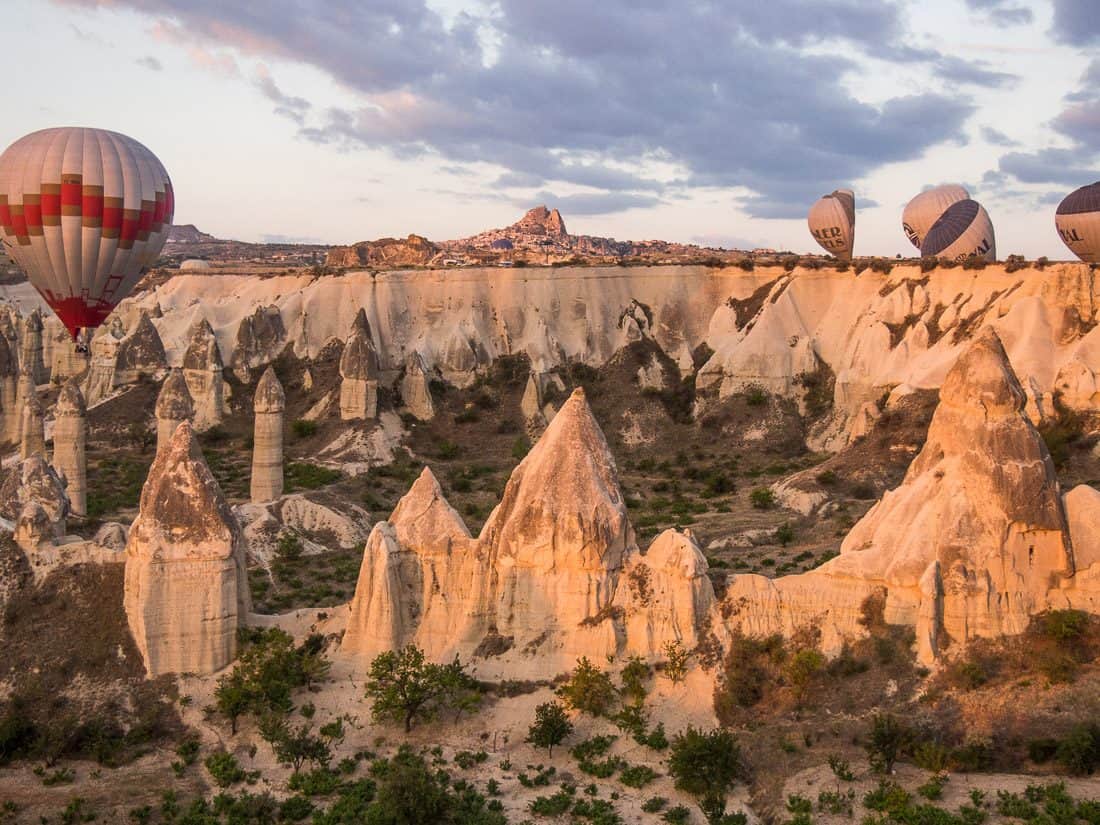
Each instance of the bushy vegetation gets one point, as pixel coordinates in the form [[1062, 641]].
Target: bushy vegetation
[[404, 687], [550, 728], [589, 689], [706, 765], [268, 672]]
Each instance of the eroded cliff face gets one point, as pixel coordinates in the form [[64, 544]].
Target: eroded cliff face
[[873, 333]]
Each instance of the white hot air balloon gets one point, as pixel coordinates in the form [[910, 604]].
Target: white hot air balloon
[[961, 232], [1078, 222], [84, 212], [925, 209], [832, 222]]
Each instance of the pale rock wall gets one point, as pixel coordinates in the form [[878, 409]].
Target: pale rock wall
[[873, 331], [416, 390], [186, 588], [31, 354]]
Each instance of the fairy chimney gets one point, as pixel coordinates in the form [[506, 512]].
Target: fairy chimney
[[70, 434], [359, 373], [173, 407], [267, 449]]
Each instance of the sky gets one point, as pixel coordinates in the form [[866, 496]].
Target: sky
[[704, 121]]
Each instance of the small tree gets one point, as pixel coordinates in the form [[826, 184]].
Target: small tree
[[589, 689], [294, 746], [634, 676], [886, 739], [233, 697], [404, 687], [801, 671], [550, 728], [706, 765], [676, 666]]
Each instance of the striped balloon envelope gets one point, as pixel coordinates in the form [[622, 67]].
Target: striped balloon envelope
[[832, 222], [925, 209], [1078, 222], [963, 231], [84, 212]]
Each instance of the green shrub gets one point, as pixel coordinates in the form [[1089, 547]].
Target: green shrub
[[762, 498], [589, 689], [888, 797], [303, 429], [301, 475], [885, 741], [224, 769], [654, 804], [555, 805], [637, 776], [1079, 751], [677, 816]]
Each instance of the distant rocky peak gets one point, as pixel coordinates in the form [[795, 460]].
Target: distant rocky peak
[[541, 221]]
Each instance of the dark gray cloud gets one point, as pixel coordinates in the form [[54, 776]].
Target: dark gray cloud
[[150, 62], [1003, 12], [1077, 21], [597, 203], [592, 93], [286, 105]]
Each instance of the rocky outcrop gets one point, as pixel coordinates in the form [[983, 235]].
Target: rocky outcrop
[[32, 435], [186, 590], [537, 408], [140, 354], [62, 359], [541, 221], [666, 595], [173, 407], [267, 445], [416, 388], [261, 336], [11, 416], [388, 252], [70, 433], [423, 580], [359, 373], [555, 574], [31, 350], [970, 545], [33, 499], [202, 369], [100, 381]]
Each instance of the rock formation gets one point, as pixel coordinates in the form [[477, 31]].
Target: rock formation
[[140, 354], [31, 350], [971, 543], [537, 408], [541, 221], [422, 580], [186, 591], [70, 432], [62, 360], [32, 435], [11, 415], [202, 368], [267, 449], [260, 338], [416, 388], [173, 407], [359, 373], [555, 572], [33, 499], [389, 252], [100, 381]]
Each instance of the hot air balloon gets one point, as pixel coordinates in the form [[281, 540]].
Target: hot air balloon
[[925, 209], [1078, 222], [832, 222], [964, 230], [84, 212]]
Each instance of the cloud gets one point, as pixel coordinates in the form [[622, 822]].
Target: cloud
[[150, 62], [973, 73], [1003, 12], [1076, 22], [597, 203], [295, 108], [1079, 124], [996, 137], [727, 93]]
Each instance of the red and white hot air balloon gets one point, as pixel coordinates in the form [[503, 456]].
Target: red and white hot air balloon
[[84, 212]]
